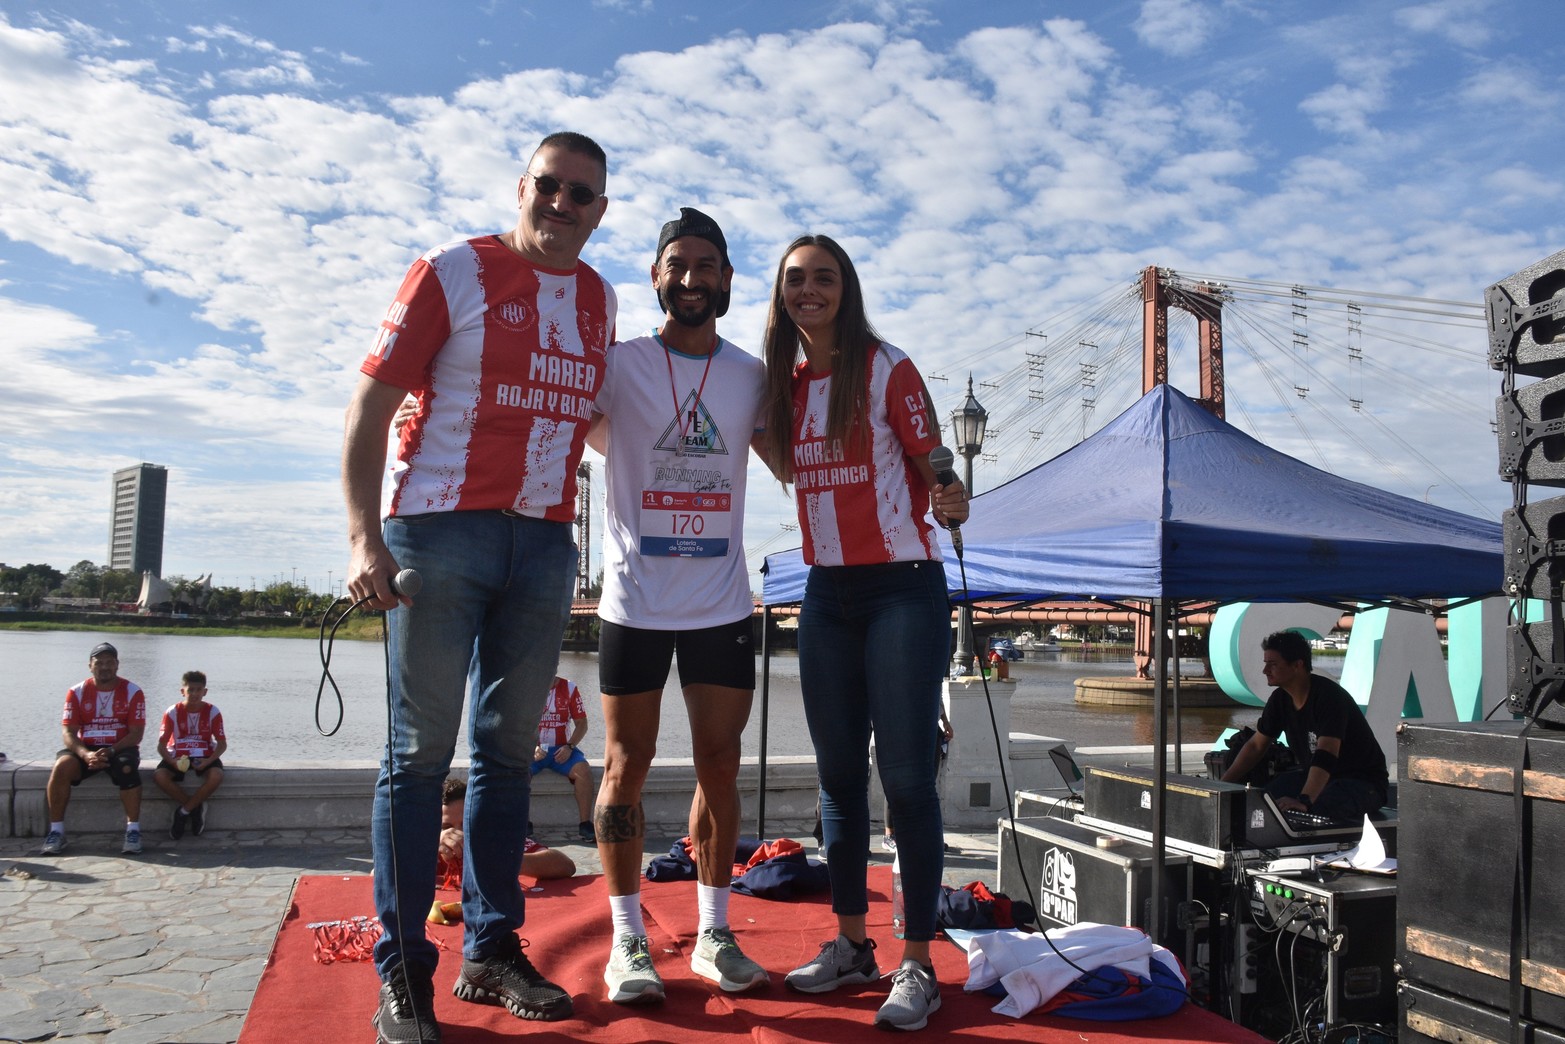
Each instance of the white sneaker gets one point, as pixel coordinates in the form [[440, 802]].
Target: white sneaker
[[132, 845], [717, 957], [915, 995], [839, 963], [54, 844], [630, 976]]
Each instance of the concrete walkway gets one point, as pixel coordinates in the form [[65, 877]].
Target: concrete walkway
[[168, 946]]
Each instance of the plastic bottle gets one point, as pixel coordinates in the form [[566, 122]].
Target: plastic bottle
[[898, 914]]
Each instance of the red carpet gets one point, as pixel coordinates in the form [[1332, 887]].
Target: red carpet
[[300, 1000]]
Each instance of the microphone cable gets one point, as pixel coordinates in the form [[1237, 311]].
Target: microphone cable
[[941, 459], [407, 582]]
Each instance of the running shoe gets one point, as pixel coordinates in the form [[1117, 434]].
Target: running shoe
[[198, 819], [132, 845], [840, 962], [406, 1014], [888, 842], [54, 844], [508, 979], [915, 995], [717, 957], [630, 976], [176, 826], [586, 833]]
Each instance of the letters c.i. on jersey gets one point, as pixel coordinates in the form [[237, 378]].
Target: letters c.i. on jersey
[[506, 359], [866, 504]]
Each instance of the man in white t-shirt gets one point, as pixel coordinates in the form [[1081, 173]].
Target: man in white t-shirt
[[679, 410]]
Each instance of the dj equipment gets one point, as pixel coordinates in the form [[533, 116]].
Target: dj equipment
[[1346, 945], [1210, 814], [1076, 873], [1204, 812]]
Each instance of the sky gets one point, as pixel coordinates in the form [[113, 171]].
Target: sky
[[206, 206]]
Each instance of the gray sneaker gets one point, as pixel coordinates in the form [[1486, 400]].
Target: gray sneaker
[[630, 976], [839, 963], [718, 957], [132, 845], [915, 995], [54, 844]]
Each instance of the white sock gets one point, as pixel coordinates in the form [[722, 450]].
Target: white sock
[[136, 826], [60, 826], [712, 902], [626, 911]]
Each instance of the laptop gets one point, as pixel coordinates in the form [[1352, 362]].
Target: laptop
[[1070, 772]]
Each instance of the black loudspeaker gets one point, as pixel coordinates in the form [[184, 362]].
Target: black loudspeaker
[[1535, 549], [1526, 313], [1526, 320], [1535, 672]]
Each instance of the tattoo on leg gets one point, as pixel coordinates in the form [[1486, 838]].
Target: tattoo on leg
[[619, 823]]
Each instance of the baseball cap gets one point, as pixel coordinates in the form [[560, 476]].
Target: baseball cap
[[691, 222], [104, 649]]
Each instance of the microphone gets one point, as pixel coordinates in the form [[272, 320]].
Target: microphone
[[407, 581], [941, 459]]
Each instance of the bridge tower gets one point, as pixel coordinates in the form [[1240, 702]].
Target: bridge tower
[[1205, 302]]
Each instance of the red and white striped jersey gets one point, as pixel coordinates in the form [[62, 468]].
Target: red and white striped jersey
[[102, 718], [866, 504], [564, 706], [193, 732], [505, 359]]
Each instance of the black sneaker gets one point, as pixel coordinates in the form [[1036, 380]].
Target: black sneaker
[[586, 833], [176, 829], [407, 1009], [198, 820], [506, 977]]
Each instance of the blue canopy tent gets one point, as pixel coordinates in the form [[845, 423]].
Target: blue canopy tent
[[1167, 504]]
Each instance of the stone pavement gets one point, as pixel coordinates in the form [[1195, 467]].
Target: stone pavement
[[168, 946]]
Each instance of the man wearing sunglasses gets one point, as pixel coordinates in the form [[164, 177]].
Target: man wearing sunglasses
[[679, 409], [501, 340]]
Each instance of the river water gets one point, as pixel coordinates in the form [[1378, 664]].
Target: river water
[[266, 689]]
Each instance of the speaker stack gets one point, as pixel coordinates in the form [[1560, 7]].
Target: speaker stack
[[1526, 316]]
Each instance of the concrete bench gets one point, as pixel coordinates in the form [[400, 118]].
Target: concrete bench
[[338, 794]]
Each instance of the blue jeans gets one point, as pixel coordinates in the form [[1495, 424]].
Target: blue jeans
[[873, 646], [495, 599]]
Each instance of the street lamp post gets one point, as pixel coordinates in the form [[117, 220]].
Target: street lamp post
[[967, 431]]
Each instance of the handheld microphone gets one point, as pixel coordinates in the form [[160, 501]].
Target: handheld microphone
[[407, 582], [942, 459]]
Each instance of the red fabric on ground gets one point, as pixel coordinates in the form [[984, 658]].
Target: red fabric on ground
[[568, 934]]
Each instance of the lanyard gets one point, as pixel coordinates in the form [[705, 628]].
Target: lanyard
[[680, 417]]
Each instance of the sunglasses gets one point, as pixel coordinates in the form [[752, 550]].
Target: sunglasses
[[549, 185]]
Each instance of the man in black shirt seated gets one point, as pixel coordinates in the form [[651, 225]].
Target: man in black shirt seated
[[1343, 770]]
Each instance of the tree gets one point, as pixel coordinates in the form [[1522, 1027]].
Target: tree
[[82, 580]]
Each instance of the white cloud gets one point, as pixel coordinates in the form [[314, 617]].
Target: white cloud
[[983, 183], [1176, 27]]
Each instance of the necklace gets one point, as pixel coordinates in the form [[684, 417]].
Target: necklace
[[681, 418]]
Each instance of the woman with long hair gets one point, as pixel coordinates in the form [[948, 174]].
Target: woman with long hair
[[851, 430]]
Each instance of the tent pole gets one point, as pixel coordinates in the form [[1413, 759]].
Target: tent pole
[[1154, 926], [1179, 734], [766, 677]]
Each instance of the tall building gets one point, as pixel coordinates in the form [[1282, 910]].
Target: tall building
[[136, 534]]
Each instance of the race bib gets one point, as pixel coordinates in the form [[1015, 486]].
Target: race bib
[[685, 525]]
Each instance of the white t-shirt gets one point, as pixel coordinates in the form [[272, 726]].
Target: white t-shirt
[[674, 550]]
